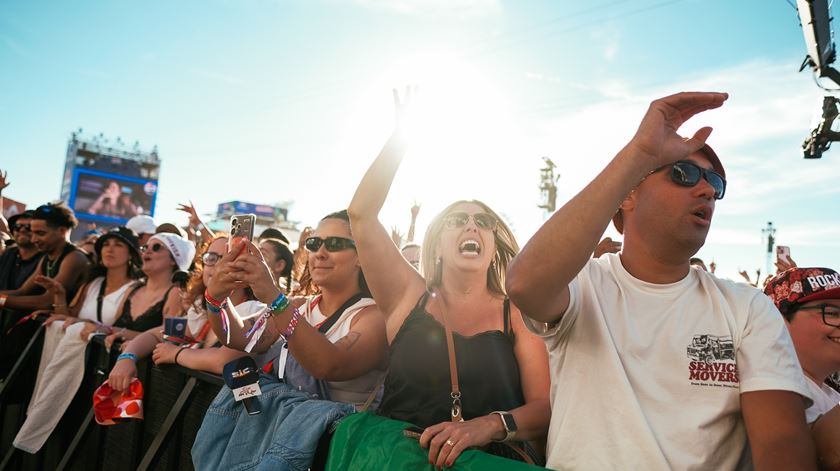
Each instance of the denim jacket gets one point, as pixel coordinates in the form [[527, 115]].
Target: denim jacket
[[283, 436]]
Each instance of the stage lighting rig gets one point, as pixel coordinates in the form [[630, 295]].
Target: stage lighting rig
[[822, 136]]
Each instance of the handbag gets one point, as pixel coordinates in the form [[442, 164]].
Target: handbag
[[519, 451]]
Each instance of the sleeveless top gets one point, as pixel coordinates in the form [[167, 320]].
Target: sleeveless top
[[153, 316], [110, 302], [50, 269], [418, 385], [356, 390]]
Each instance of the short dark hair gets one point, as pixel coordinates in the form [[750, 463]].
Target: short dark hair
[[272, 233], [56, 215]]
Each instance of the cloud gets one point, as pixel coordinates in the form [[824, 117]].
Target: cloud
[[757, 133], [459, 8]]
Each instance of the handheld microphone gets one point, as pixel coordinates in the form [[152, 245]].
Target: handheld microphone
[[242, 377]]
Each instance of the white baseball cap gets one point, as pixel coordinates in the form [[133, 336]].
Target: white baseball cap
[[142, 224]]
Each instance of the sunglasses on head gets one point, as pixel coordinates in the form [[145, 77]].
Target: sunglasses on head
[[154, 248], [22, 227], [332, 244], [460, 219], [210, 258], [687, 173]]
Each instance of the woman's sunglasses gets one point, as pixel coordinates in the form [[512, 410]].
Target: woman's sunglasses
[[460, 219], [332, 244], [154, 248], [210, 258], [687, 173]]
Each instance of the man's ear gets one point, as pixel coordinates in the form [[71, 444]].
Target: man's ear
[[629, 201]]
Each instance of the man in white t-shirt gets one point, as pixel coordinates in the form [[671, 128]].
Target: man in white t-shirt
[[656, 365], [809, 300]]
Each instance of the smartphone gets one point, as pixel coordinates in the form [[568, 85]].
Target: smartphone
[[241, 227], [783, 253]]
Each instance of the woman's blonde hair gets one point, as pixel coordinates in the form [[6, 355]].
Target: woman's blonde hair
[[506, 248]]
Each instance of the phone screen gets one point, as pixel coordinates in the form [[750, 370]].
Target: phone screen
[[783, 253]]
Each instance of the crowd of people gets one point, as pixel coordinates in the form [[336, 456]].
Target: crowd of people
[[575, 352]]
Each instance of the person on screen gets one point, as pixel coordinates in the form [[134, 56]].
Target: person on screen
[[114, 202]]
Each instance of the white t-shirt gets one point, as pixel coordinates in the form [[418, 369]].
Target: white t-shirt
[[824, 397], [647, 376]]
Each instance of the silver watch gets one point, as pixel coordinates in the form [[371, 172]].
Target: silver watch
[[508, 423]]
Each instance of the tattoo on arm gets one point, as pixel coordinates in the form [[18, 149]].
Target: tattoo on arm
[[348, 340]]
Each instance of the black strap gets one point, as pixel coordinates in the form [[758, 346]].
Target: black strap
[[99, 300], [508, 329], [331, 320]]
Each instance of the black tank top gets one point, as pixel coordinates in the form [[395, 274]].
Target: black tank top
[[153, 316], [50, 269], [418, 386]]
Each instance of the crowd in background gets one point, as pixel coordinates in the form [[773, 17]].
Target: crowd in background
[[577, 352]]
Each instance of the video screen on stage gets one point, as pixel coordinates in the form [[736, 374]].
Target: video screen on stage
[[108, 197]]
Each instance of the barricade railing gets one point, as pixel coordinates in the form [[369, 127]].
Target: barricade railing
[[174, 402]]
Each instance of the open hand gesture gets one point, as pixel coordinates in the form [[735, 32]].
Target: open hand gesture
[[3, 181], [190, 209], [401, 106], [657, 138]]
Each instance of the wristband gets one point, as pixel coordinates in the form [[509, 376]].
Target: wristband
[[212, 308], [3, 298], [293, 322], [127, 356], [279, 304], [210, 299]]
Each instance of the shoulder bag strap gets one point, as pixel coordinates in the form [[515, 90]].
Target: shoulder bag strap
[[99, 300], [453, 366], [325, 326]]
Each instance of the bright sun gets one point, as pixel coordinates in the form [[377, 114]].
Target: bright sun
[[461, 132]]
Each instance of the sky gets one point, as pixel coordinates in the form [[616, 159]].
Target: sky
[[290, 101]]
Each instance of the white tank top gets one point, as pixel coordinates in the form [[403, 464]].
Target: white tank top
[[356, 390], [110, 302]]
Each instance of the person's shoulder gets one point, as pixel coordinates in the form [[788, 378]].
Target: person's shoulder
[[728, 287], [9, 254]]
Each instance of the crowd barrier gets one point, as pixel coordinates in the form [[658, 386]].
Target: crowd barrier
[[175, 400]]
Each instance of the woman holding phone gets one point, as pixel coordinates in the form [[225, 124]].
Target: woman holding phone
[[501, 367], [337, 336]]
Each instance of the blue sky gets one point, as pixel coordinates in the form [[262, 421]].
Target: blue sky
[[270, 101]]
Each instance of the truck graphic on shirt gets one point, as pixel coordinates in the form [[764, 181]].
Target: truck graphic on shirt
[[708, 348]]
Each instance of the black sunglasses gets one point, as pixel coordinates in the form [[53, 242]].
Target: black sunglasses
[[687, 173], [153, 248], [22, 227], [830, 314], [332, 244], [460, 219]]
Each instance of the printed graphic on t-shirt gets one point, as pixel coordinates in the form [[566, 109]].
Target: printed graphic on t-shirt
[[712, 361]]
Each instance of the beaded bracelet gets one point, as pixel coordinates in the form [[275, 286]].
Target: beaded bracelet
[[293, 322], [127, 356]]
